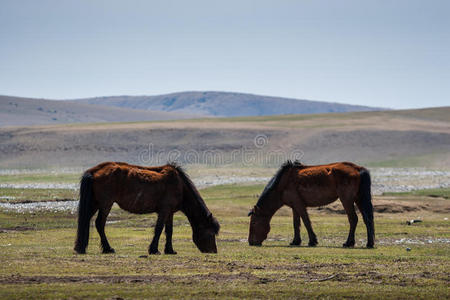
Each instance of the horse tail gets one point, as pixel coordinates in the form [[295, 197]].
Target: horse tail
[[365, 205], [84, 213]]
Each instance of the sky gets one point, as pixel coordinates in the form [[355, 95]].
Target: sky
[[388, 53]]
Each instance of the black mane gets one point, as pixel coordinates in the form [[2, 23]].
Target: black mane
[[196, 196], [276, 179]]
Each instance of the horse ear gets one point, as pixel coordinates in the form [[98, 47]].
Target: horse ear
[[250, 213]]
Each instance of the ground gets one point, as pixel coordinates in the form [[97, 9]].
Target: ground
[[409, 261]]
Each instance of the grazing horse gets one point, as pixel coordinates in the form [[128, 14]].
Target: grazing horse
[[140, 190], [299, 186]]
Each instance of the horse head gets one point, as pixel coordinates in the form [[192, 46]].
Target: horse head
[[259, 226], [204, 237]]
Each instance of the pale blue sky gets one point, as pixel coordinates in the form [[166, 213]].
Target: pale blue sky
[[392, 53]]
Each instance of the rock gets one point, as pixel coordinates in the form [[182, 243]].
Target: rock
[[410, 222]]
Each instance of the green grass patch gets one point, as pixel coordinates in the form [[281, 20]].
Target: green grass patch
[[13, 195], [430, 159], [38, 262], [443, 193], [40, 177]]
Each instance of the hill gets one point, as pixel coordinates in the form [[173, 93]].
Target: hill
[[15, 111], [224, 104], [383, 138]]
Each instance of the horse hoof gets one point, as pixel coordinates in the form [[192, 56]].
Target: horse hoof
[[295, 243], [369, 246], [171, 252], [312, 244], [108, 251], [154, 252], [80, 251], [348, 245]]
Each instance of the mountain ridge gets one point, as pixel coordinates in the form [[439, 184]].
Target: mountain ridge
[[224, 104], [19, 111]]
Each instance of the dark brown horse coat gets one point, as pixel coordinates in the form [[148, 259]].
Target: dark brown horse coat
[[164, 190], [299, 186]]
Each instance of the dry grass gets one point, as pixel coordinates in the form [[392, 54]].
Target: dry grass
[[395, 138]]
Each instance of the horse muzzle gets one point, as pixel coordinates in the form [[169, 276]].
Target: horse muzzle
[[209, 250]]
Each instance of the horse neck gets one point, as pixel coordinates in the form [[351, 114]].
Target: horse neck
[[275, 202], [270, 207], [193, 208]]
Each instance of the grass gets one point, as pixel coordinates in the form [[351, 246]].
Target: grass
[[443, 193], [38, 262], [284, 117], [40, 177], [36, 195], [440, 114], [293, 120], [432, 159]]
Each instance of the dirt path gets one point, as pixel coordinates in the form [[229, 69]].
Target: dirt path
[[300, 272]]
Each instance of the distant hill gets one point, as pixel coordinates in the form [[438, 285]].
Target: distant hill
[[407, 138], [15, 111], [224, 104]]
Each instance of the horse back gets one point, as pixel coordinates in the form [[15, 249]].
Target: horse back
[[134, 188], [323, 184]]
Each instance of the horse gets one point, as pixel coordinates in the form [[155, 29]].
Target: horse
[[300, 186], [141, 190]]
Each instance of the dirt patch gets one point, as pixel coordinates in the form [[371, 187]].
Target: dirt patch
[[395, 206], [217, 277], [26, 201], [305, 275], [16, 229]]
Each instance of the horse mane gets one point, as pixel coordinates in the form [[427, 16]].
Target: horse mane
[[196, 197], [276, 179]]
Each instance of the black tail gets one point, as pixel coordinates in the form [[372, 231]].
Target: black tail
[[365, 205], [84, 213]]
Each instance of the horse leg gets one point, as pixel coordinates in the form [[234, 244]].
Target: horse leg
[[296, 222], [305, 218], [100, 225], [353, 220], [369, 224], [168, 249], [153, 249]]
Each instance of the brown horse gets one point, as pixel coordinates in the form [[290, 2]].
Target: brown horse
[[140, 190], [299, 186]]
